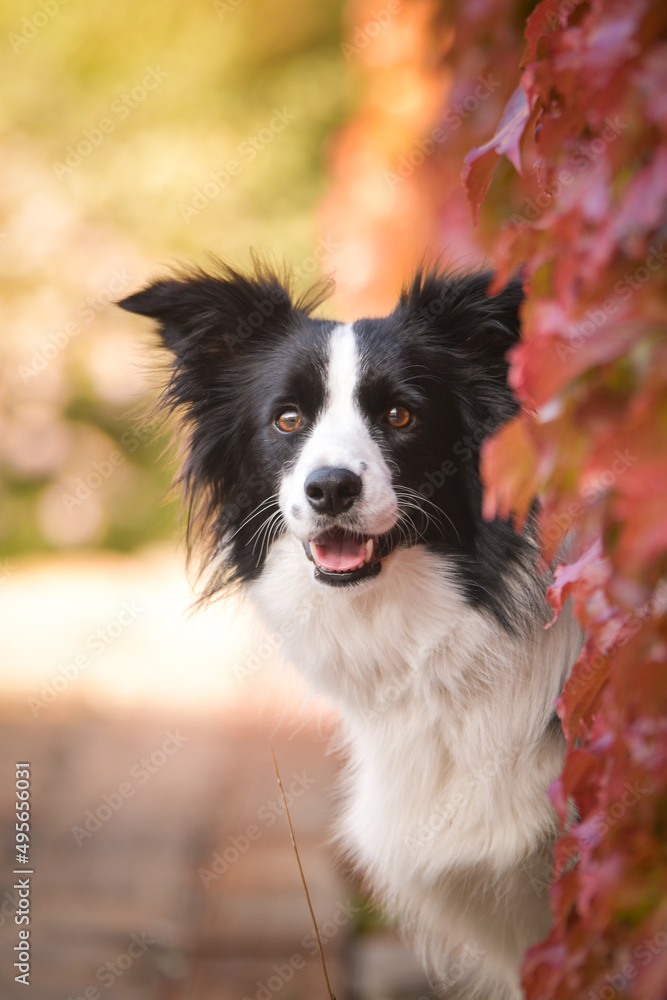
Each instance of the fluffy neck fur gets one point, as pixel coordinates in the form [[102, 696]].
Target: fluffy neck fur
[[448, 729]]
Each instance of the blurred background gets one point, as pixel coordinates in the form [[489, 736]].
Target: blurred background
[[135, 136]]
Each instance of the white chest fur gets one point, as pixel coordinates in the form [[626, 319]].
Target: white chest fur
[[445, 720]]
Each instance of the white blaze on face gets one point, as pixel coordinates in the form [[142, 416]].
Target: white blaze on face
[[341, 439]]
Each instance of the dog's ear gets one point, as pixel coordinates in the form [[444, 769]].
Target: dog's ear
[[476, 330], [459, 309], [214, 314], [158, 300], [503, 310]]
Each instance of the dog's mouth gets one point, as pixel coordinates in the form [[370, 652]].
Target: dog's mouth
[[342, 557]]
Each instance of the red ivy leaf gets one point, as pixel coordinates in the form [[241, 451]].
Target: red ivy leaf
[[653, 80], [546, 15], [508, 466], [611, 43], [641, 508], [581, 694], [643, 206], [585, 581], [482, 160]]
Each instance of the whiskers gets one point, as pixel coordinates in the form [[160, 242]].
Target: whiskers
[[269, 527], [267, 532], [417, 516], [410, 500]]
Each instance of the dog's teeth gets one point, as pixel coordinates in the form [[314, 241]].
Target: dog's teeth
[[313, 551], [370, 545]]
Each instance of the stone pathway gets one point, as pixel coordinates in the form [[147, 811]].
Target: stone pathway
[[163, 866]]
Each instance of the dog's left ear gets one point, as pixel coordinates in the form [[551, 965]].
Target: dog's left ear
[[504, 310], [214, 314], [475, 330], [460, 309]]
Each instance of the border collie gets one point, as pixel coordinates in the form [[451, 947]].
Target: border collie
[[332, 470]]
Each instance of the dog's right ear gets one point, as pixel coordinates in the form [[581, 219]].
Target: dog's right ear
[[215, 314]]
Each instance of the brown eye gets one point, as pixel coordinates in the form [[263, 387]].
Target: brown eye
[[398, 416], [289, 420]]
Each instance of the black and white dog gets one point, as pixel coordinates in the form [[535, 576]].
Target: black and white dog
[[332, 470]]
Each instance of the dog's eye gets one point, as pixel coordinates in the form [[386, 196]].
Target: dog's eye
[[398, 416], [288, 421]]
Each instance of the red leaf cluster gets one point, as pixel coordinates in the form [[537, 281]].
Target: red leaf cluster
[[587, 127]]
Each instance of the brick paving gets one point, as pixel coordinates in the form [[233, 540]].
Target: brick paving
[[164, 868]]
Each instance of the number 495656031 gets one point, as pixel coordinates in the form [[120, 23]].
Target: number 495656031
[[22, 813]]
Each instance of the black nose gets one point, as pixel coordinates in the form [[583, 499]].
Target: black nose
[[331, 491]]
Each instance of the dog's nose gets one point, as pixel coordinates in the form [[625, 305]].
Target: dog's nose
[[331, 491]]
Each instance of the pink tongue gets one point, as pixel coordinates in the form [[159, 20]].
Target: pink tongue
[[340, 552]]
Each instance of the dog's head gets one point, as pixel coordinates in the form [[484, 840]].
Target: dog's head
[[355, 438]]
